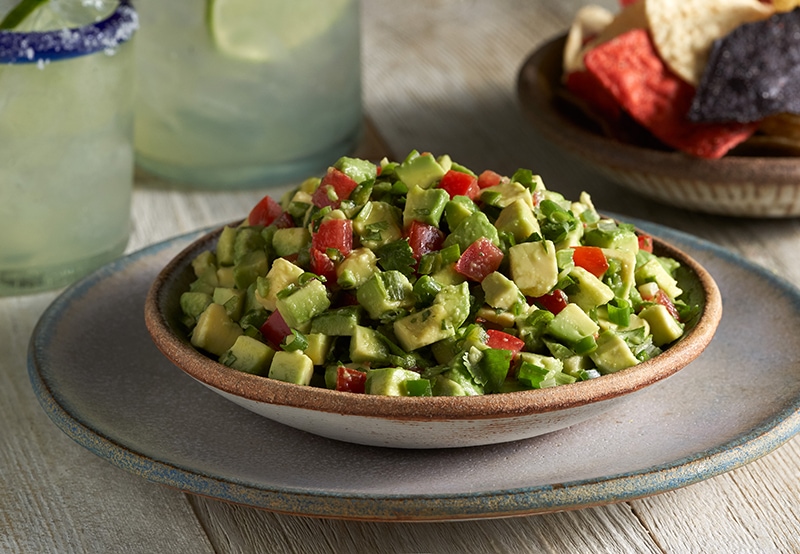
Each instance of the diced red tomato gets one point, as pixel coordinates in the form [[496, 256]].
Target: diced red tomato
[[645, 242], [275, 329], [424, 238], [350, 380], [663, 299], [489, 178], [480, 259], [590, 258], [265, 212], [334, 233], [553, 301], [501, 339], [284, 221], [335, 187], [322, 265], [457, 183]]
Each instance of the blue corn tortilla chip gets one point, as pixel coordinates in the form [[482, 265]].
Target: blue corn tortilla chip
[[753, 72]]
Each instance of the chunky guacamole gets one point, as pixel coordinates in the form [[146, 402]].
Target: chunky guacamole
[[423, 278]]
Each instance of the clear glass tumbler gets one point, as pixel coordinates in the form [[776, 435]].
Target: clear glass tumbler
[[66, 129], [242, 93]]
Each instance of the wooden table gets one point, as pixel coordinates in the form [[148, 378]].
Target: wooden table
[[439, 75]]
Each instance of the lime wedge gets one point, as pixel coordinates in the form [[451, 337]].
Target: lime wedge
[[19, 13], [262, 30]]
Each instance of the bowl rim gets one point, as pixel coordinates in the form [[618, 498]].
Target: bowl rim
[[540, 76], [263, 390]]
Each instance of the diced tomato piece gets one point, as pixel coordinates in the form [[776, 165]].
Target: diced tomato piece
[[335, 187], [590, 258], [645, 242], [350, 380], [553, 301], [489, 178], [663, 299], [424, 238], [322, 265], [265, 212], [275, 329], [457, 183], [501, 339], [334, 233], [480, 259], [284, 221]]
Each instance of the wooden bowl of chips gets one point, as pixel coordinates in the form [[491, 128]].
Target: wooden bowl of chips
[[760, 178]]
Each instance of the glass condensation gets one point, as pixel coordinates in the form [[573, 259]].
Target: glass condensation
[[209, 119]]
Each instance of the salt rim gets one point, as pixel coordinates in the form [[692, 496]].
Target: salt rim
[[46, 46]]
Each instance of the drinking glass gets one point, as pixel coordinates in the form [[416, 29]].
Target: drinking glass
[[66, 129], [241, 93]]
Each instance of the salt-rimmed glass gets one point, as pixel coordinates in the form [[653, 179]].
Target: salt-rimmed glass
[[66, 162], [218, 110]]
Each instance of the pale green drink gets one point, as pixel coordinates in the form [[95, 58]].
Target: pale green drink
[[66, 162], [240, 93]]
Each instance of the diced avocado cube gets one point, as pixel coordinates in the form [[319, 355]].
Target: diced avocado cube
[[607, 234], [588, 291], [204, 263], [500, 291], [338, 322], [455, 299], [356, 268], [506, 194], [282, 274], [447, 275], [291, 367], [419, 169], [232, 299], [366, 345], [458, 209], [424, 205], [225, 246], [303, 304], [612, 353], [652, 270], [318, 347], [442, 386], [424, 327], [290, 241], [534, 267], [517, 219], [572, 324], [249, 267], [496, 316], [378, 223], [384, 293], [663, 326], [215, 331], [389, 381], [627, 267], [548, 362], [225, 277], [357, 169], [194, 303], [248, 239], [461, 376], [249, 355], [474, 226]]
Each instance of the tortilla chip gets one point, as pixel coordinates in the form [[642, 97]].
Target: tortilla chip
[[752, 73], [684, 30], [629, 68], [586, 25]]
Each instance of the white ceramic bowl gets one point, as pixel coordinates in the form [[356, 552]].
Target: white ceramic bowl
[[420, 422], [744, 186]]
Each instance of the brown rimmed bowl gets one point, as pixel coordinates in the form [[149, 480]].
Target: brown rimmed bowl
[[423, 422], [735, 185]]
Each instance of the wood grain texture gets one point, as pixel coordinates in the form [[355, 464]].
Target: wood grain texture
[[439, 75]]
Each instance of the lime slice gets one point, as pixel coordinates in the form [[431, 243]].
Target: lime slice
[[261, 30], [19, 13]]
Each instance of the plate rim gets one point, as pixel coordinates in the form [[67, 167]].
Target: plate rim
[[522, 501]]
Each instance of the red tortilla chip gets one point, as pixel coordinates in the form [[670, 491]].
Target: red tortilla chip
[[629, 68]]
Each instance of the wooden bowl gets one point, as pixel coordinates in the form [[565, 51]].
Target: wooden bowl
[[422, 422], [735, 185]]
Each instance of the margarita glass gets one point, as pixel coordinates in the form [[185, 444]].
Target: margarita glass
[[242, 93], [66, 126]]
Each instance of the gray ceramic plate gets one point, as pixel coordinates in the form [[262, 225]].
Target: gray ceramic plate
[[101, 379]]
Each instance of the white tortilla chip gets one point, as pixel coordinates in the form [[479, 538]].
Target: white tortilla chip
[[588, 23], [684, 30]]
